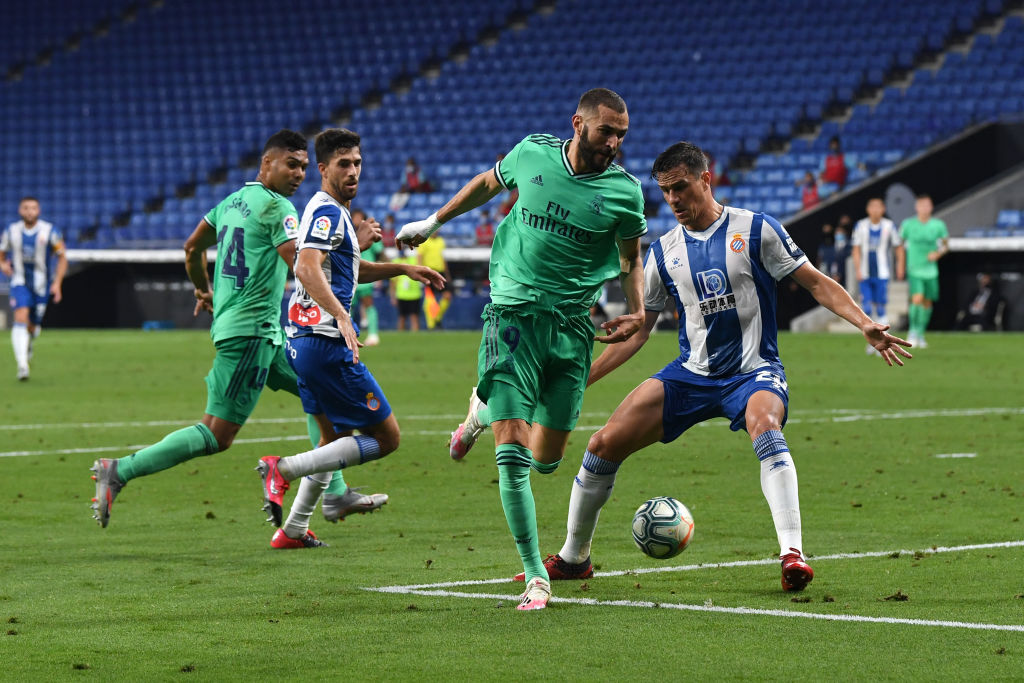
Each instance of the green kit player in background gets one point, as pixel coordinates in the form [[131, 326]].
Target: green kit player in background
[[364, 292], [254, 229], [576, 224], [926, 240]]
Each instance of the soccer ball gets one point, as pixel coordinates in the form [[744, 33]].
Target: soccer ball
[[662, 527]]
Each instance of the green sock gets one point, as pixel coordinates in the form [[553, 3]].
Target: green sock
[[371, 320], [545, 468], [926, 316], [337, 485], [175, 448], [313, 429], [520, 510], [914, 319]]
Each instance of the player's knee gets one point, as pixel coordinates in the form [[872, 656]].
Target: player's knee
[[388, 440], [763, 423], [604, 445]]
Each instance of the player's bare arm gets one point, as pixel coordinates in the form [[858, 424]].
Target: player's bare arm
[[5, 265], [616, 354], [941, 251], [832, 296], [201, 239], [631, 275], [58, 277], [309, 270], [370, 271], [286, 250], [477, 192]]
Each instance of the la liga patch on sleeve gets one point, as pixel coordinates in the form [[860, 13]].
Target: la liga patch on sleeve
[[321, 228]]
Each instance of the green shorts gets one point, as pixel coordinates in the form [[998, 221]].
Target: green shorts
[[241, 368], [928, 286], [533, 364]]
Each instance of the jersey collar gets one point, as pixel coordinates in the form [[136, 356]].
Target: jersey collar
[[568, 164]]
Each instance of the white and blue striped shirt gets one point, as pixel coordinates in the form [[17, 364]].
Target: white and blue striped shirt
[[876, 242], [31, 250], [326, 225], [722, 282]]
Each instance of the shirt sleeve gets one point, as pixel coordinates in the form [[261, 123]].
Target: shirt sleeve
[[633, 224], [213, 216], [944, 231], [897, 241], [5, 240], [284, 223], [325, 222], [56, 241], [857, 238], [779, 254], [655, 292], [505, 170]]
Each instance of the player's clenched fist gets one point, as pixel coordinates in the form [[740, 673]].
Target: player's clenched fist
[[417, 232], [367, 232]]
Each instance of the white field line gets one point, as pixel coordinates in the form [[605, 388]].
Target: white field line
[[440, 590], [956, 455], [733, 610], [838, 416]]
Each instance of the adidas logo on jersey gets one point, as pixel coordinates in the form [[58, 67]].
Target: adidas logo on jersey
[[537, 180]]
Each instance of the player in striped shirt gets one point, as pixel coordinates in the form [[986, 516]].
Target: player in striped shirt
[[718, 269], [33, 244], [322, 339], [875, 241]]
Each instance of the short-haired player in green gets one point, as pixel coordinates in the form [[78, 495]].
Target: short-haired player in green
[[577, 223], [368, 318], [925, 240], [254, 229]]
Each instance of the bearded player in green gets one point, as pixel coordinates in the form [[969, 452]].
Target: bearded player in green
[[576, 224], [254, 229], [926, 240]]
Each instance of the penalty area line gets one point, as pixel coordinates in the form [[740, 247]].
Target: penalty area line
[[417, 587], [719, 610]]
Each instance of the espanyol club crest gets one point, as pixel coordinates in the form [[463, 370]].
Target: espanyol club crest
[[304, 316], [371, 401], [737, 243]]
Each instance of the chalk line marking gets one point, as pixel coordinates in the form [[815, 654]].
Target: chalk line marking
[[834, 416], [440, 590], [956, 455]]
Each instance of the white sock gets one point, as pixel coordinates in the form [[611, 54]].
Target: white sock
[[590, 491], [779, 485], [19, 340], [306, 498], [344, 452]]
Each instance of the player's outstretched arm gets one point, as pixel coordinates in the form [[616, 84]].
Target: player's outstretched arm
[[370, 271], [617, 354], [476, 192], [832, 296], [309, 270], [201, 239]]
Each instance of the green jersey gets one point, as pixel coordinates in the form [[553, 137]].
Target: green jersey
[[372, 253], [920, 239], [249, 276], [557, 244]]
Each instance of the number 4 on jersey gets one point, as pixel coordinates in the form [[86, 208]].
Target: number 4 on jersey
[[234, 258]]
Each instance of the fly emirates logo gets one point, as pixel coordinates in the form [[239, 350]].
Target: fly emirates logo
[[556, 221]]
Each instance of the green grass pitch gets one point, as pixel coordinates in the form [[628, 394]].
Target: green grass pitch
[[183, 584]]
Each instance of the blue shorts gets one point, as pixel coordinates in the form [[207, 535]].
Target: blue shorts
[[330, 384], [691, 398], [23, 297], [874, 290]]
